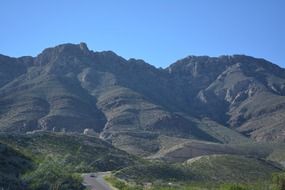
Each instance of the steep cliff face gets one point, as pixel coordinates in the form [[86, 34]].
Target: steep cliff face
[[241, 92], [69, 87]]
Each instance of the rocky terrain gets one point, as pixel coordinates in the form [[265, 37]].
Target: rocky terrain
[[97, 111], [70, 88]]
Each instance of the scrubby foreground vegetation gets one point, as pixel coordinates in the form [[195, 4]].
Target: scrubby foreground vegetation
[[44, 160], [215, 172], [55, 161], [53, 174], [51, 161], [12, 164], [276, 182], [21, 173]]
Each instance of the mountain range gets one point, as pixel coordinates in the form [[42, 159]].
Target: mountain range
[[140, 108]]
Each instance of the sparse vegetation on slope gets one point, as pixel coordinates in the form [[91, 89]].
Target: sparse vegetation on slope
[[48, 160], [54, 174], [83, 152], [231, 168], [198, 106], [70, 88], [12, 166], [155, 171], [214, 169], [186, 149], [276, 182]]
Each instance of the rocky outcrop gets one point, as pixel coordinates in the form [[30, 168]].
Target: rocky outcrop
[[70, 87]]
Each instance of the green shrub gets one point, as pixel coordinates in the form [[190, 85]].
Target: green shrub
[[278, 181], [53, 174]]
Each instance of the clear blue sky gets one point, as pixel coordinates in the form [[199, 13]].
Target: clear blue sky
[[158, 31]]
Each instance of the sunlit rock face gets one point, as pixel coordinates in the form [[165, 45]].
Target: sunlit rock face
[[72, 88]]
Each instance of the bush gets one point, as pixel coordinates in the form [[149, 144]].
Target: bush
[[53, 174], [278, 181]]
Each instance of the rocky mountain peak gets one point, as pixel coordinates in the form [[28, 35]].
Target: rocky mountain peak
[[83, 46], [71, 87]]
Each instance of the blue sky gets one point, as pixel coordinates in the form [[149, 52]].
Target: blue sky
[[158, 31]]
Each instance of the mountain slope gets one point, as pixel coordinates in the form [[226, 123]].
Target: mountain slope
[[83, 153], [12, 165], [231, 168], [70, 88], [241, 92], [213, 169], [43, 160]]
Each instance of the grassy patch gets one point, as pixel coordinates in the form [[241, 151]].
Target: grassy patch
[[120, 184], [155, 171]]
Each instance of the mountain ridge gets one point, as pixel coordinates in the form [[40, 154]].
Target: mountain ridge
[[71, 88]]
